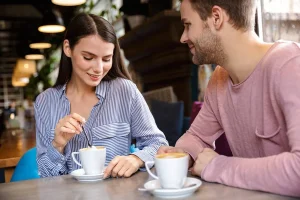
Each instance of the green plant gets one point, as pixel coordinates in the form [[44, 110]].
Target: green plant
[[110, 11], [42, 76]]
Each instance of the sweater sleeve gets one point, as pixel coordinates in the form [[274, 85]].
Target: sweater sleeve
[[206, 128], [280, 173]]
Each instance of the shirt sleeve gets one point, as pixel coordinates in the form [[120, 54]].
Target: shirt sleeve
[[143, 127], [204, 130], [280, 173], [50, 162]]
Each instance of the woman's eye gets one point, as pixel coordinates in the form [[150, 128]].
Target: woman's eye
[[187, 25], [87, 58], [106, 60]]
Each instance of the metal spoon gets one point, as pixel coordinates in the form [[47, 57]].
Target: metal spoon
[[187, 186], [89, 144]]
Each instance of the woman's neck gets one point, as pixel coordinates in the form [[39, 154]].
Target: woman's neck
[[77, 87]]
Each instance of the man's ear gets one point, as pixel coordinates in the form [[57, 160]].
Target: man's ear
[[67, 48], [218, 16]]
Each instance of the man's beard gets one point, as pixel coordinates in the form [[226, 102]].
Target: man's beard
[[208, 49]]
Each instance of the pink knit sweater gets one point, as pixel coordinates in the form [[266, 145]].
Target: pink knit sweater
[[261, 119]]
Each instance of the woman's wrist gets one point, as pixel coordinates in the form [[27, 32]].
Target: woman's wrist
[[141, 163], [58, 147]]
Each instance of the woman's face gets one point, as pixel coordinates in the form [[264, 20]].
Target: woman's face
[[91, 59]]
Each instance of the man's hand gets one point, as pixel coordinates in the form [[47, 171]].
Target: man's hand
[[203, 159], [169, 149]]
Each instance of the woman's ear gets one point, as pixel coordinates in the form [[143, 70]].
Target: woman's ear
[[67, 48]]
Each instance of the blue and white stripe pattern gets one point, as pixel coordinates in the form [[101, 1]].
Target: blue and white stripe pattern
[[120, 115]]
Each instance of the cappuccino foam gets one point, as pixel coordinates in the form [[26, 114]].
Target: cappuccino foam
[[92, 148], [171, 155]]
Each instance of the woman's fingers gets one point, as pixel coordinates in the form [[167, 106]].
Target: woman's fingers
[[79, 118], [64, 129], [75, 125], [110, 167], [118, 167]]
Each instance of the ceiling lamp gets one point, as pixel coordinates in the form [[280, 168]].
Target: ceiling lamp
[[40, 45], [52, 23], [68, 2], [25, 68], [51, 28], [34, 56], [19, 81], [22, 71], [39, 40]]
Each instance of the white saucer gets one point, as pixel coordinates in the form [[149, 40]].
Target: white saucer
[[173, 193], [80, 175]]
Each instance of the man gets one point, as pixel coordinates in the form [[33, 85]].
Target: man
[[254, 98]]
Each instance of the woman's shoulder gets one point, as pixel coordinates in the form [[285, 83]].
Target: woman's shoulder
[[50, 94], [124, 85]]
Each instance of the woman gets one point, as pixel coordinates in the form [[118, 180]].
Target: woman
[[93, 90]]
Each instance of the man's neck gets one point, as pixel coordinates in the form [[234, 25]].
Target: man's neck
[[244, 52]]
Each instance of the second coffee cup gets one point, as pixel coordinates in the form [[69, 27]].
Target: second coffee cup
[[171, 168]]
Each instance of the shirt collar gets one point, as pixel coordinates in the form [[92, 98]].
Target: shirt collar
[[100, 89]]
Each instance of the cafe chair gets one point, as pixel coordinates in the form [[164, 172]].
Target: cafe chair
[[26, 168], [133, 148]]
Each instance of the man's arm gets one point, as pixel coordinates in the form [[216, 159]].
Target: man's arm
[[205, 129]]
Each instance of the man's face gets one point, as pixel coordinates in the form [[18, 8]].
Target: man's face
[[205, 46]]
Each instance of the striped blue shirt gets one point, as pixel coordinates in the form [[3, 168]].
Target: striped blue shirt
[[120, 115]]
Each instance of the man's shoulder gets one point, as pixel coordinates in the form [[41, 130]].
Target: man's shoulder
[[281, 53]]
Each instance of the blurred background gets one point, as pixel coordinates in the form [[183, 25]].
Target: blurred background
[[31, 34]]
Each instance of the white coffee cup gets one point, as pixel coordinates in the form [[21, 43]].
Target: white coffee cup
[[171, 168], [92, 159]]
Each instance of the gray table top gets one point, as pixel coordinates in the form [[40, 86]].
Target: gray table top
[[66, 187]]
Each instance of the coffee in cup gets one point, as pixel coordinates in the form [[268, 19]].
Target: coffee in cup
[[92, 159], [171, 168]]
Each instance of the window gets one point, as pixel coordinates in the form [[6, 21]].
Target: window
[[280, 20]]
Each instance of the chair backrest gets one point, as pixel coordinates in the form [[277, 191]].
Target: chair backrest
[[169, 119], [26, 168], [165, 94]]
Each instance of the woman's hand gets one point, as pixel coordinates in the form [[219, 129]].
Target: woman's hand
[[123, 166], [65, 130]]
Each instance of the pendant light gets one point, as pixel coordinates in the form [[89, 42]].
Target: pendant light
[[68, 2], [34, 54], [52, 22], [40, 45]]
